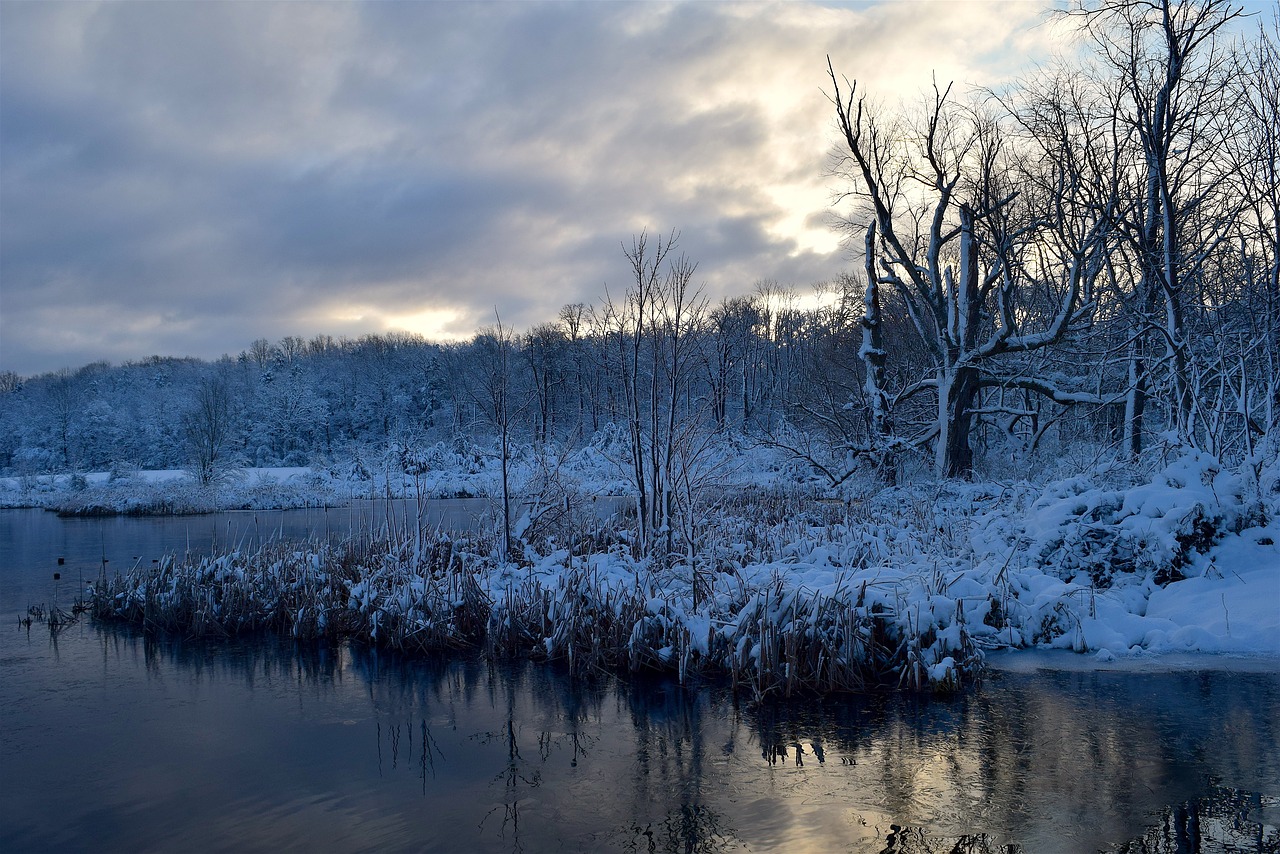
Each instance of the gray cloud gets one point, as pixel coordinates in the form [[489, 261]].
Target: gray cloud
[[182, 178]]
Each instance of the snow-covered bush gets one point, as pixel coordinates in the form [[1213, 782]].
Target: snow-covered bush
[[123, 472], [1154, 527]]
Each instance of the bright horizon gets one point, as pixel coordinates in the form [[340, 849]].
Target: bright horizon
[[181, 179]]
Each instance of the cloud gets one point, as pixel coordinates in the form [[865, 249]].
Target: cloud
[[185, 178]]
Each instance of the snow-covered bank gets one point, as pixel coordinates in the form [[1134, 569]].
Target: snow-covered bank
[[166, 492], [458, 469], [909, 588], [1033, 660]]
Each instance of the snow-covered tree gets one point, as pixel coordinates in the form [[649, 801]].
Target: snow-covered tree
[[981, 243], [207, 429], [1168, 73]]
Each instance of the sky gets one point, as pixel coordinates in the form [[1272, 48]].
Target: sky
[[183, 178]]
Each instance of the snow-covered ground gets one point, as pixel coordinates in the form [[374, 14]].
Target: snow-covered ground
[[64, 482], [441, 470], [171, 491], [917, 583]]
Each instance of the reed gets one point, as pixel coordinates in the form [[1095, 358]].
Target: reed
[[601, 611]]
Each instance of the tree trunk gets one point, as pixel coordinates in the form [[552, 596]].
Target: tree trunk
[[874, 357], [1135, 402], [957, 391], [506, 494]]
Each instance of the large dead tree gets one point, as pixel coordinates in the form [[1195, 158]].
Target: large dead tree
[[988, 263]]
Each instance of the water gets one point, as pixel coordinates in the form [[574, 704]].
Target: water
[[116, 742]]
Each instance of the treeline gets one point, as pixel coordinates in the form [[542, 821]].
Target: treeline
[[281, 404], [1090, 258], [746, 362]]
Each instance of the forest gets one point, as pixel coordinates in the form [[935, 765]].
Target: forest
[[1089, 256]]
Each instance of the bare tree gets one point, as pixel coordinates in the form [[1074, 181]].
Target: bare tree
[[63, 399], [961, 243], [730, 356], [573, 324], [1169, 81], [1255, 153], [261, 352], [544, 352], [653, 333], [493, 387], [207, 429]]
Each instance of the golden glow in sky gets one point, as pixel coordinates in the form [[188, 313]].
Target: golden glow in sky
[[269, 169]]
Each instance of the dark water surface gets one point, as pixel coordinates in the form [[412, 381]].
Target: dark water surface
[[112, 741]]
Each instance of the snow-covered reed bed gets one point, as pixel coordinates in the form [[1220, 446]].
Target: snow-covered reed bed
[[783, 593], [604, 611], [308, 590]]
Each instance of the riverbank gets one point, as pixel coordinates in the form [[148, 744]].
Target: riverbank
[[171, 492], [911, 588], [455, 470]]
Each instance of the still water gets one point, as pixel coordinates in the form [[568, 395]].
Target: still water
[[112, 741]]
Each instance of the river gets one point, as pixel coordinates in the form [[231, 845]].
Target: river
[[114, 741]]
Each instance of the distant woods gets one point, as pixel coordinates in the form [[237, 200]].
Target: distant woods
[[1088, 259], [658, 351]]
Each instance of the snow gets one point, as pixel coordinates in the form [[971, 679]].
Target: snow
[[250, 477], [455, 469], [173, 491], [1033, 660], [1233, 605], [1122, 574]]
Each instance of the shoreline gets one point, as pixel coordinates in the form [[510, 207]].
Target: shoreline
[[1035, 659], [777, 587]]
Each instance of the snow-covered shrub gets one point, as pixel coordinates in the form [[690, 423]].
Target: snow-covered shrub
[[29, 462], [553, 511], [1267, 468], [466, 454], [356, 467], [1154, 527], [123, 472]]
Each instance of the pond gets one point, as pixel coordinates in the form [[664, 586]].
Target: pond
[[114, 741]]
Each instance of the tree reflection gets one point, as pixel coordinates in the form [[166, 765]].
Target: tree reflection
[[673, 792], [913, 840], [1046, 762], [1221, 821], [689, 829]]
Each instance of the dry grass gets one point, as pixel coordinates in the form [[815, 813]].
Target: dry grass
[[601, 612]]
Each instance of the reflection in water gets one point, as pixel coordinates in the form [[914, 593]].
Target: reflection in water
[[146, 742], [692, 828], [913, 840], [1048, 763], [1222, 821], [121, 742]]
